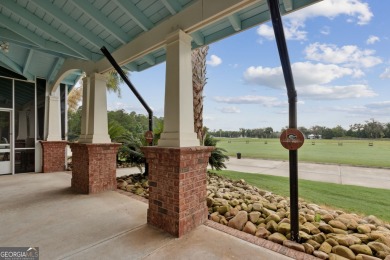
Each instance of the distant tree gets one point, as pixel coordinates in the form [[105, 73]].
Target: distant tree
[[327, 133], [74, 124], [268, 132], [304, 130], [317, 130], [374, 129], [74, 98], [386, 130], [338, 131], [356, 130]]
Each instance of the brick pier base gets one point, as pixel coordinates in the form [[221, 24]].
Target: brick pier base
[[53, 156], [93, 167], [177, 187]]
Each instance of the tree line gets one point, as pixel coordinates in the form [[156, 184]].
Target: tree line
[[136, 124], [371, 129]]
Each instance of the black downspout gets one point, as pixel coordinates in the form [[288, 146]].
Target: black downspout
[[292, 102], [131, 86], [134, 90]]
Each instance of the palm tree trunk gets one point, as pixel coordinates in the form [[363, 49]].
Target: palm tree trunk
[[198, 82]]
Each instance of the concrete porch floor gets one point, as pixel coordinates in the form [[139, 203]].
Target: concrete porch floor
[[40, 210]]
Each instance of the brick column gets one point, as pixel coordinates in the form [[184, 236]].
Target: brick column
[[53, 156], [94, 167], [177, 187]]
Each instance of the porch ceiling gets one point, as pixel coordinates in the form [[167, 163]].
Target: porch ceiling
[[66, 34]]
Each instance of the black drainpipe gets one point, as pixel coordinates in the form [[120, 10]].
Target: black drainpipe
[[292, 102], [134, 90]]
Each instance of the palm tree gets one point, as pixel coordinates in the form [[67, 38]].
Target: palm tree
[[218, 157], [113, 82], [113, 85], [198, 82]]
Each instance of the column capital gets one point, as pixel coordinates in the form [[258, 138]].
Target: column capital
[[178, 35], [98, 76], [53, 98]]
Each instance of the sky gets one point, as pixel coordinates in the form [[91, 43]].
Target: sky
[[340, 57]]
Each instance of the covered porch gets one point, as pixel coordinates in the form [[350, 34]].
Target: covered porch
[[49, 46], [109, 225]]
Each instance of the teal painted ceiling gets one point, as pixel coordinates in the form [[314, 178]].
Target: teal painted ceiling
[[42, 34]]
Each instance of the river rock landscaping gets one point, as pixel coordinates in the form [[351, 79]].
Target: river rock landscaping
[[324, 233]]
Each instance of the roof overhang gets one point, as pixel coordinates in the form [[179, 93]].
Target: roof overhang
[[65, 36]]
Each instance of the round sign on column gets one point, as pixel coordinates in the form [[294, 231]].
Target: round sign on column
[[292, 139]]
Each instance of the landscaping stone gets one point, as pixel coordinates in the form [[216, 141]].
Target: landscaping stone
[[284, 228], [309, 249], [361, 249], [321, 255], [239, 220], [249, 228], [315, 244], [325, 247], [324, 233], [274, 217], [326, 228], [304, 236], [337, 224], [344, 252], [363, 229], [294, 245], [377, 247], [272, 226], [254, 216], [347, 240], [336, 257], [367, 257], [319, 238], [263, 233], [277, 238], [313, 229], [332, 242]]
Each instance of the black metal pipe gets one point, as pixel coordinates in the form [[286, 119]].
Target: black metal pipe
[[129, 84], [134, 90], [292, 101]]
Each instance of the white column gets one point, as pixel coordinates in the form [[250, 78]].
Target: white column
[[54, 117], [178, 110], [96, 125], [85, 108]]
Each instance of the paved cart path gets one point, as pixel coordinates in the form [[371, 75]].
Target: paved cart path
[[341, 174]]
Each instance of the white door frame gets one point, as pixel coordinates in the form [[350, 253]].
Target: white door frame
[[6, 167]]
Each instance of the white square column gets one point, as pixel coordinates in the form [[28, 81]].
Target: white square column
[[178, 110], [85, 108], [54, 117], [94, 127]]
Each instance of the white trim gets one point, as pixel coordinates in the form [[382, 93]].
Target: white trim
[[10, 137], [13, 128]]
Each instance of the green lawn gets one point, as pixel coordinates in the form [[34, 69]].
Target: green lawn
[[361, 200], [351, 152]]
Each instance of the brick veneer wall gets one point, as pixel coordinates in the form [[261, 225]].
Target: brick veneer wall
[[53, 156], [177, 187], [93, 167]]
